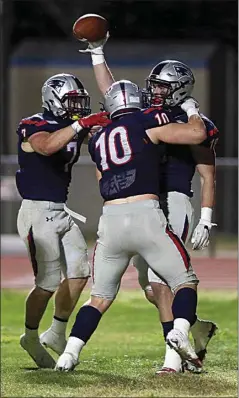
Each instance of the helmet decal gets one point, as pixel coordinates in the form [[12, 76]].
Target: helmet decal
[[56, 84], [181, 71]]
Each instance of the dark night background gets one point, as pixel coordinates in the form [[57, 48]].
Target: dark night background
[[133, 23]]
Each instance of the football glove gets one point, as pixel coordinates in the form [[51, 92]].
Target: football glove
[[95, 119], [190, 106], [201, 234], [96, 47]]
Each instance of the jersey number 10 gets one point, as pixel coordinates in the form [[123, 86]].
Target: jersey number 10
[[108, 150]]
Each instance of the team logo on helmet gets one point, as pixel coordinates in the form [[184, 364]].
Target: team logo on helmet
[[181, 71], [56, 84]]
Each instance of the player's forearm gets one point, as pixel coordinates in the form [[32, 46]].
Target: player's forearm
[[208, 191], [192, 133], [104, 77], [58, 140], [49, 144]]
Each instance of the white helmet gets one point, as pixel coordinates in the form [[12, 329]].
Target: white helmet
[[122, 97], [65, 96], [176, 77]]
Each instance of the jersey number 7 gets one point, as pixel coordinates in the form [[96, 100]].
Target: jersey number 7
[[108, 148]]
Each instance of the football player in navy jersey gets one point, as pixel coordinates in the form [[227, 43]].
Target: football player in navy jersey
[[168, 84], [127, 158], [48, 146]]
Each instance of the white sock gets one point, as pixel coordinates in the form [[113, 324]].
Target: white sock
[[172, 359], [74, 346], [31, 333], [58, 327], [182, 324]]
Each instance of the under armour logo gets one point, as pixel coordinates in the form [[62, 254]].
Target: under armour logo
[[49, 218]]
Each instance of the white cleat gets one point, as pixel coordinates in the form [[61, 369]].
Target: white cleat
[[56, 342], [37, 352], [66, 362], [179, 341]]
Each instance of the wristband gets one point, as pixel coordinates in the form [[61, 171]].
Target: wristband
[[76, 127], [206, 214], [192, 111], [97, 59]]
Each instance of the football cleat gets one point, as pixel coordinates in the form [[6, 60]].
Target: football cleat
[[165, 371], [179, 341], [66, 362], [56, 342], [37, 352], [202, 333]]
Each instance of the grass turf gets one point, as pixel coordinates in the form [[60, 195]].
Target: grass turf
[[121, 358]]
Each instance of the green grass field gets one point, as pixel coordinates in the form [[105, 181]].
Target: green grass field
[[121, 358]]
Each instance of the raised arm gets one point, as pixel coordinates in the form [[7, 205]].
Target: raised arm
[[103, 75]]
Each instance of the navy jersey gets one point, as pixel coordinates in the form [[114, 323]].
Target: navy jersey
[[45, 177], [126, 157], [178, 168]]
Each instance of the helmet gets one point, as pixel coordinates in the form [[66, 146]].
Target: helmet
[[122, 97], [175, 79], [65, 96]]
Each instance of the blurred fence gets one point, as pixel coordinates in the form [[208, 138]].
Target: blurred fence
[[85, 199]]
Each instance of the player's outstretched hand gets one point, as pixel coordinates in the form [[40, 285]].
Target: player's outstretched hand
[[201, 234], [96, 47], [95, 119]]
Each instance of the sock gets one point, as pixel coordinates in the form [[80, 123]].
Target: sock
[[74, 347], [182, 324], [31, 333], [167, 326], [185, 304], [59, 325], [86, 323], [172, 359]]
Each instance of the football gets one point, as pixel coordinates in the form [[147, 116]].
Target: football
[[90, 27]]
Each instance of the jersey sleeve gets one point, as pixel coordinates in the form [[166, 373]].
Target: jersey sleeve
[[155, 117], [28, 127], [212, 134]]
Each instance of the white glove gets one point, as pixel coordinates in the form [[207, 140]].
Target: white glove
[[190, 106], [201, 234], [95, 48]]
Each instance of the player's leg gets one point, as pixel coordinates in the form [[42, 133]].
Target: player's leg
[[36, 229], [174, 267], [109, 265], [76, 268], [181, 218], [142, 268], [179, 212], [156, 290]]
